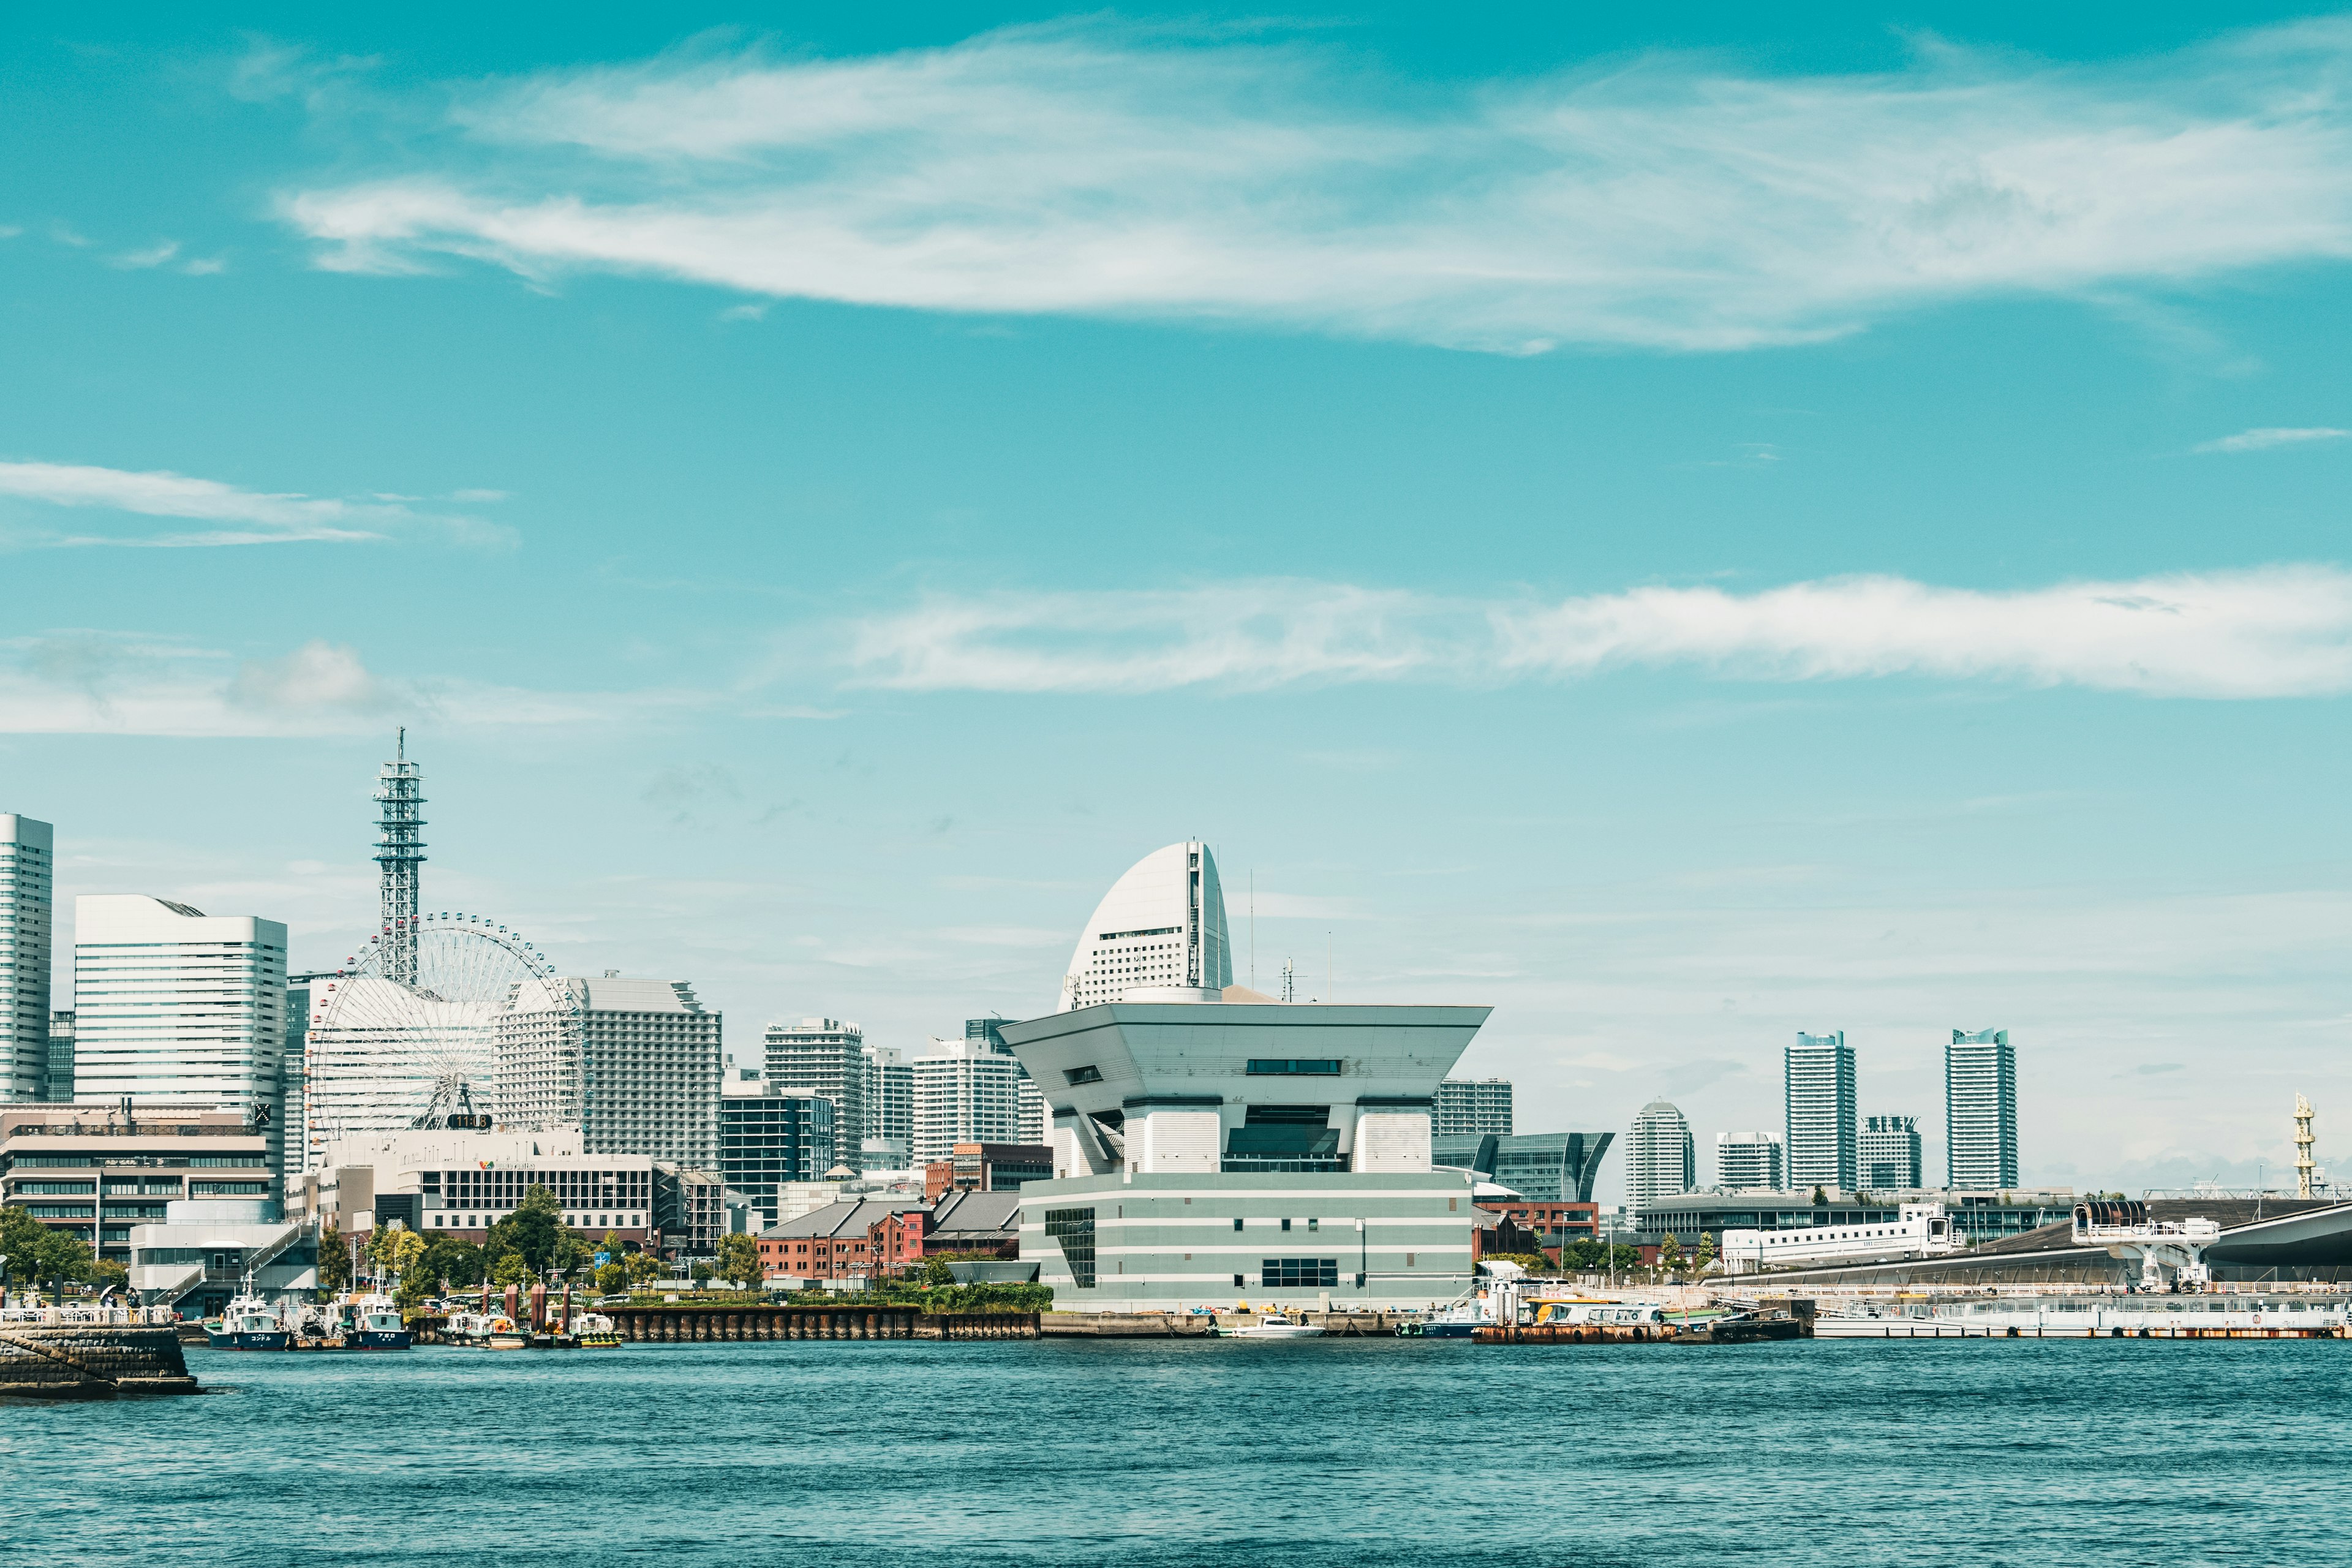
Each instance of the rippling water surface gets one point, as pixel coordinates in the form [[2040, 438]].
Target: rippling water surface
[[1144, 1453]]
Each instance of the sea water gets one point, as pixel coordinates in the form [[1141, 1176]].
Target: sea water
[[1142, 1453]]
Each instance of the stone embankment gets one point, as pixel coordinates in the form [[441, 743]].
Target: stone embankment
[[686, 1324], [1200, 1325], [91, 1361]]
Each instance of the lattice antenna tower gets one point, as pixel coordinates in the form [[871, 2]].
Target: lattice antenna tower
[[399, 851]]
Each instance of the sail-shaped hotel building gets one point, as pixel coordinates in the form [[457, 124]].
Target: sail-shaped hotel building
[[1212, 1146]]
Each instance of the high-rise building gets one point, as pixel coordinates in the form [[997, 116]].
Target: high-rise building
[[1748, 1162], [826, 1057], [60, 1086], [767, 1140], [1890, 1153], [1817, 1079], [303, 1135], [1662, 1160], [889, 1109], [644, 1080], [1161, 926], [28, 848], [1981, 1110], [965, 1093], [1467, 1107], [1032, 1119], [175, 1006]]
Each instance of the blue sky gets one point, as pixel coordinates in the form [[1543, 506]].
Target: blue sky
[[1685, 536]]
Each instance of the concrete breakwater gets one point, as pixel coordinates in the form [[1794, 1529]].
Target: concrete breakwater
[[1191, 1325], [696, 1324], [91, 1361]]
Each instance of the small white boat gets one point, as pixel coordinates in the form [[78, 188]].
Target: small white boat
[[1275, 1326]]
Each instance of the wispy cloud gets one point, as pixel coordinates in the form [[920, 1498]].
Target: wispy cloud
[[103, 682], [154, 255], [239, 516], [2263, 440], [2277, 632], [1668, 200]]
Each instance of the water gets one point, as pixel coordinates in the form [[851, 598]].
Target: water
[[1141, 1454]]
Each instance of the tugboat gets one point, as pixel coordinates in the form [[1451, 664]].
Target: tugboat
[[376, 1325], [250, 1323]]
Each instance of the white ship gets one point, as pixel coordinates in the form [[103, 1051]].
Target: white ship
[[1921, 1230]]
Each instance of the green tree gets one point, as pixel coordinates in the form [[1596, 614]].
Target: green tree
[[1705, 1249], [739, 1260], [1669, 1253], [641, 1267], [535, 1230], [396, 1249], [937, 1272], [702, 1273], [613, 1278], [334, 1260], [414, 1289], [510, 1269], [1820, 1198], [458, 1263]]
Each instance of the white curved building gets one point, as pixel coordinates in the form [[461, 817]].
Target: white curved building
[[1161, 926]]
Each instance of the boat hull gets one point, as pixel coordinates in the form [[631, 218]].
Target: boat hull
[[249, 1341], [380, 1340]]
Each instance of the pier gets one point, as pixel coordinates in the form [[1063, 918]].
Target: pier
[[695, 1324]]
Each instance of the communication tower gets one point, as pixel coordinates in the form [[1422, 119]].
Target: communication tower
[[399, 851], [2303, 1164]]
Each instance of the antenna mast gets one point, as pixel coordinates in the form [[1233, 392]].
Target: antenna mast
[[399, 851]]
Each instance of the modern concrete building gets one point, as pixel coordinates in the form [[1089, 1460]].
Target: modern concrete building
[[1541, 1167], [964, 1093], [990, 1168], [1890, 1153], [634, 1064], [93, 1173], [28, 882], [1661, 1159], [689, 1210], [175, 1006], [1817, 1080], [1981, 1110], [461, 1181], [1750, 1162], [889, 1109], [1161, 924], [203, 1252], [768, 1142], [826, 1057], [1466, 1108], [1208, 1151], [59, 1088]]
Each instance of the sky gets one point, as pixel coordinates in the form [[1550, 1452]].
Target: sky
[[1683, 530]]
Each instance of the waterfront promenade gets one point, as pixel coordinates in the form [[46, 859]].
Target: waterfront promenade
[[1153, 1453]]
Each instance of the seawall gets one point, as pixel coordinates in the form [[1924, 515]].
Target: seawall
[[91, 1361]]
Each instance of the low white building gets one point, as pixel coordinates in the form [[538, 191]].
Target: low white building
[[207, 1250], [457, 1181]]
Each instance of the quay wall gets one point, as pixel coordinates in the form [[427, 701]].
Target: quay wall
[[693, 1324], [91, 1361]]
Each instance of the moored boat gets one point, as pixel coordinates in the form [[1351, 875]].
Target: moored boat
[[249, 1323], [1275, 1326], [376, 1324]]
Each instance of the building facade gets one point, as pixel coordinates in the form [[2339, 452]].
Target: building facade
[[1750, 1162], [1543, 1167], [1208, 1153], [95, 1174], [1981, 1110], [462, 1181], [27, 887], [1817, 1080], [59, 1087], [1161, 926], [964, 1093], [838, 1241], [826, 1057], [768, 1142], [1890, 1152], [175, 1006], [889, 1110], [1661, 1159], [634, 1064], [1467, 1108]]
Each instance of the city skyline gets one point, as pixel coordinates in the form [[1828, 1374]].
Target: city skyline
[[1675, 650]]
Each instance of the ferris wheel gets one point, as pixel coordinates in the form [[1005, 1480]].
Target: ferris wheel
[[387, 1052]]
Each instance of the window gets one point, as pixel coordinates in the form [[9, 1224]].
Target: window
[[1082, 1075], [1297, 1273], [1314, 1225], [1075, 1230], [1286, 1224], [1309, 1067], [1237, 1281], [1238, 1222]]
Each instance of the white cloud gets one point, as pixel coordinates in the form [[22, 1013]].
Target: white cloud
[[154, 255], [2277, 632], [95, 682], [2262, 439], [252, 517], [1668, 200]]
